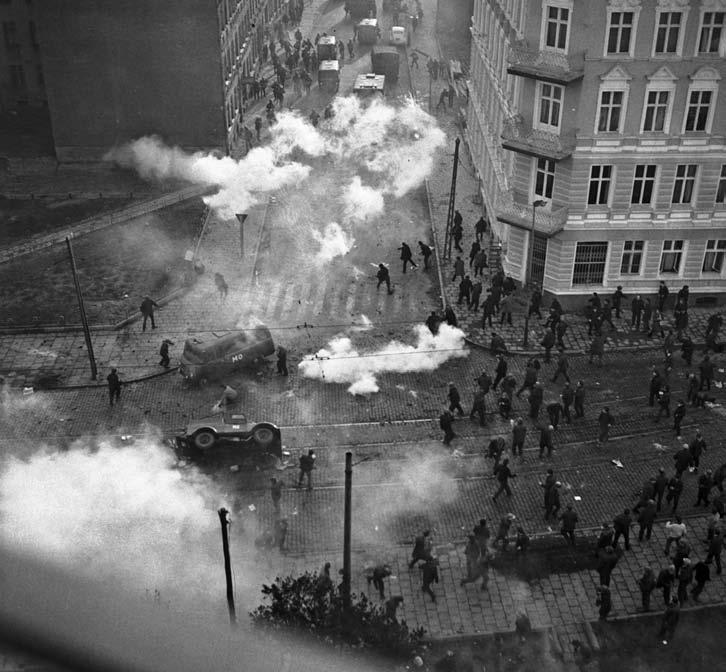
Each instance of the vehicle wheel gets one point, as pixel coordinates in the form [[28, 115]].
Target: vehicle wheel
[[263, 436], [204, 439]]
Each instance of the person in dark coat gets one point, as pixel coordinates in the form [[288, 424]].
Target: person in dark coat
[[454, 400], [660, 486], [706, 370], [701, 574], [503, 532], [114, 387], [536, 397], [147, 310], [548, 342], [307, 464], [662, 296], [479, 408], [476, 290], [664, 402], [545, 441], [675, 489], [604, 421], [497, 345], [654, 387], [646, 583], [446, 422], [636, 312], [696, 447], [678, 414], [647, 315], [561, 329], [580, 399], [646, 518], [426, 253], [164, 352], [501, 371], [281, 360], [705, 485], [422, 547], [384, 276], [475, 247], [406, 254], [666, 579], [553, 412], [482, 534], [465, 290], [429, 576], [503, 473], [604, 601], [530, 379], [569, 521], [432, 322], [535, 303], [687, 350], [567, 397], [621, 527], [552, 501], [519, 434], [450, 316], [597, 349], [618, 297], [379, 573], [682, 459], [715, 547], [670, 620], [480, 228], [607, 558]]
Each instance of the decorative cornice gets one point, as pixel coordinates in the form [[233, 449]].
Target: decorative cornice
[[616, 74], [624, 4], [673, 5], [705, 74], [714, 5], [662, 74]]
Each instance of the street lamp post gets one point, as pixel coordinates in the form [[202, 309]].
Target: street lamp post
[[528, 275]]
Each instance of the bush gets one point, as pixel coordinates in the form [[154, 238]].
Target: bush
[[307, 603]]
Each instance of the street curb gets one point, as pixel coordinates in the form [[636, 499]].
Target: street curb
[[90, 386]]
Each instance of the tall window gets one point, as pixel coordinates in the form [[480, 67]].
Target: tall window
[[643, 184], [620, 32], [670, 257], [656, 110], [544, 178], [589, 268], [713, 259], [550, 104], [611, 106], [668, 32], [599, 189], [556, 27], [632, 257], [721, 191], [684, 183], [709, 41], [699, 109]]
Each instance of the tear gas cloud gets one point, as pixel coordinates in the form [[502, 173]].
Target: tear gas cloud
[[340, 362], [122, 514], [333, 241], [372, 149]]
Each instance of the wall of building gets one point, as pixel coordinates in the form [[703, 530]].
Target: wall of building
[[21, 70], [117, 70]]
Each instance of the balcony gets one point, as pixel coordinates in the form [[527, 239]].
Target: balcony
[[547, 66], [519, 136], [513, 211]]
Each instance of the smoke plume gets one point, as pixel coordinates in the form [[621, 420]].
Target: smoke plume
[[334, 242], [361, 201], [340, 362]]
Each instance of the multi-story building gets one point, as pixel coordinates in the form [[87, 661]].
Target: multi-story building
[[112, 71], [22, 80], [595, 128]]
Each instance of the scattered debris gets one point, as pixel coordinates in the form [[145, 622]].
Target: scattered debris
[[577, 498], [618, 464], [252, 507]]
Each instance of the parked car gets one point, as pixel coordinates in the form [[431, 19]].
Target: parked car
[[230, 435], [201, 362], [329, 75]]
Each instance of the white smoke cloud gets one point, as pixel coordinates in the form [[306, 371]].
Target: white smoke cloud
[[362, 201], [340, 362], [124, 514], [334, 242]]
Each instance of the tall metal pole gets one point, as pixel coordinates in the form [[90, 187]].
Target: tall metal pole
[[82, 309], [346, 528], [535, 205], [224, 520], [241, 219], [452, 202]]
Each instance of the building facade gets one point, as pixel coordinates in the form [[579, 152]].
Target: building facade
[[22, 80], [599, 133], [113, 71]]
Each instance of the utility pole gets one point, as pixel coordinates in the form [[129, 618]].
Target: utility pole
[[224, 520], [82, 309], [241, 219], [452, 201], [346, 528], [536, 204]]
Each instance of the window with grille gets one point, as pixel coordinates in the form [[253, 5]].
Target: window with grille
[[666, 37], [632, 257], [699, 108], [557, 25], [544, 178], [709, 41], [599, 188], [620, 32], [589, 268], [656, 109], [684, 183], [611, 107], [670, 258], [721, 190], [713, 259], [643, 184], [550, 103]]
